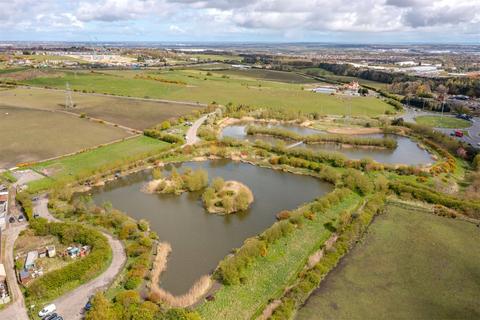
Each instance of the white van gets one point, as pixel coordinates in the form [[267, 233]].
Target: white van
[[48, 309]]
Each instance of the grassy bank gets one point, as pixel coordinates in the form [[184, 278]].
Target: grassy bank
[[411, 265], [85, 164], [266, 277], [443, 122]]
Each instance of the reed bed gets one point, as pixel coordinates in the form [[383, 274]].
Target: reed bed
[[199, 289]]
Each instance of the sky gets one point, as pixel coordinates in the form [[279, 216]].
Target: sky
[[347, 21]]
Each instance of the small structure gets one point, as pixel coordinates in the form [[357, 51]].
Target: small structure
[[32, 256], [51, 251], [73, 252], [24, 276], [3, 274], [352, 86], [325, 89], [84, 251]]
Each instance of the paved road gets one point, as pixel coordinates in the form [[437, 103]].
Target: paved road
[[191, 136], [70, 305], [16, 310], [473, 136]]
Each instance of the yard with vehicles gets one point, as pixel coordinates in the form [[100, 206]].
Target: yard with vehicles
[[411, 264], [208, 86], [447, 122], [29, 135]]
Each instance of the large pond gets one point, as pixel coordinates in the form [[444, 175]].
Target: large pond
[[200, 240], [407, 151]]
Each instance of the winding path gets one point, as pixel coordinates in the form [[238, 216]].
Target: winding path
[[16, 310], [71, 304], [191, 136]]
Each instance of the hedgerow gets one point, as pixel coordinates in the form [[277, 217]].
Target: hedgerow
[[310, 279], [57, 282]]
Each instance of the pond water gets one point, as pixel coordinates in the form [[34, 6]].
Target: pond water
[[407, 151], [200, 240]]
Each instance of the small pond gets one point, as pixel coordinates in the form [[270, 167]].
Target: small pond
[[407, 151], [200, 240]]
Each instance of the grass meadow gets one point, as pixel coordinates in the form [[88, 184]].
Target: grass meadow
[[267, 277], [219, 86], [410, 265], [84, 164], [443, 122], [33, 135]]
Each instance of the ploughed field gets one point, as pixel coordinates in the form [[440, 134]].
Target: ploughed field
[[133, 113], [411, 265], [200, 240], [406, 152], [251, 87], [31, 135]]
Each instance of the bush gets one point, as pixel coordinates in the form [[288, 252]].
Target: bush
[[57, 282]]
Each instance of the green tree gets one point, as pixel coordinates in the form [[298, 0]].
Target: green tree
[[101, 308], [218, 184]]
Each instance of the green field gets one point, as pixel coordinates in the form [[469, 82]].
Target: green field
[[134, 113], [84, 164], [330, 76], [206, 87], [272, 75], [443, 122], [411, 265], [267, 277], [31, 135]]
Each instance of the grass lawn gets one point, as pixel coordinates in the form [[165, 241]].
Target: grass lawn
[[262, 74], [87, 163], [411, 265], [137, 114], [205, 87], [443, 122], [330, 76], [267, 277], [33, 135]]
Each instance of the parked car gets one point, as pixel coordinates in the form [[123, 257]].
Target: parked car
[[21, 218], [47, 310], [11, 220], [88, 306], [51, 317], [35, 199]]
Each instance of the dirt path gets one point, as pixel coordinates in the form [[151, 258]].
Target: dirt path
[[16, 310], [71, 304], [191, 136]]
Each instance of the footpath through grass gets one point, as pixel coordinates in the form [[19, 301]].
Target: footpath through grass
[[87, 163], [443, 122], [411, 265], [267, 277]]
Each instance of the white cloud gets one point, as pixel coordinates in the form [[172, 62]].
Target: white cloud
[[212, 17], [176, 29]]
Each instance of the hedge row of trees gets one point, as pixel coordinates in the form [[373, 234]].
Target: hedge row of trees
[[57, 282], [130, 305], [157, 134], [26, 202], [310, 279], [322, 138], [232, 270], [408, 189]]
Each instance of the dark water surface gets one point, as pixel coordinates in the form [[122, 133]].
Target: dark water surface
[[407, 151], [200, 240]]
